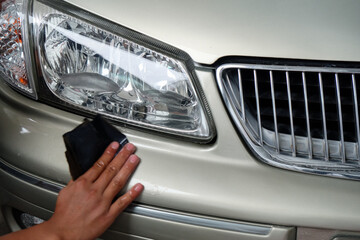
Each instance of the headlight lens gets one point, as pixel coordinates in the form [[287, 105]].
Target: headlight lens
[[12, 56], [91, 65]]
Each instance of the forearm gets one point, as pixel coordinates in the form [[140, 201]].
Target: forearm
[[41, 231]]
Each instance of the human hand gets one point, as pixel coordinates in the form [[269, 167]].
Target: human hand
[[84, 208]]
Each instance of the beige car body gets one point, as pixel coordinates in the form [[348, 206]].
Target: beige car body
[[220, 180]]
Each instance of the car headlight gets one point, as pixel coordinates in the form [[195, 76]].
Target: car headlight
[[91, 65], [12, 44]]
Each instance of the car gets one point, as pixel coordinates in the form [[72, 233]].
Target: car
[[245, 113]]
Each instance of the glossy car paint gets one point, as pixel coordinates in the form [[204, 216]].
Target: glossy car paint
[[209, 30], [221, 179]]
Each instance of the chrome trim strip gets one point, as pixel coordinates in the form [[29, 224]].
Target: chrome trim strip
[[307, 116], [199, 221], [277, 142], [293, 142], [290, 68], [338, 96], [326, 153], [356, 114], [39, 182], [258, 108], [146, 211]]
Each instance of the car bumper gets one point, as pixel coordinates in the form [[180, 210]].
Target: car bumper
[[221, 179], [31, 194]]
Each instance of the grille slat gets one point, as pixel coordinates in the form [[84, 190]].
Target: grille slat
[[241, 95], [232, 90], [258, 107], [300, 116], [342, 148], [274, 111], [307, 116], [325, 134], [293, 142], [356, 110]]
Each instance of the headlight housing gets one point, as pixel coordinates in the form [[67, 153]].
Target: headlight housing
[[90, 65]]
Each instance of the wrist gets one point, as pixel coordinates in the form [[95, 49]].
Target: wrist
[[50, 231]]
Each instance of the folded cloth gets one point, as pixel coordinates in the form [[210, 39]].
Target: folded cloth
[[87, 142]]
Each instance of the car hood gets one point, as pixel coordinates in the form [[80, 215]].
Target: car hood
[[210, 29]]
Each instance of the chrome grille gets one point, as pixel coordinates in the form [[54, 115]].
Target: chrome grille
[[295, 117]]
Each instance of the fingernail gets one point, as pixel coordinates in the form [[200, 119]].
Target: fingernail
[[133, 159], [139, 187], [130, 147], [114, 145]]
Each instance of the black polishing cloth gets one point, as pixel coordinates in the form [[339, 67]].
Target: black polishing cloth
[[87, 142]]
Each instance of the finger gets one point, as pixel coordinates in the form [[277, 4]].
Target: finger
[[122, 202], [94, 172], [119, 181], [114, 167]]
